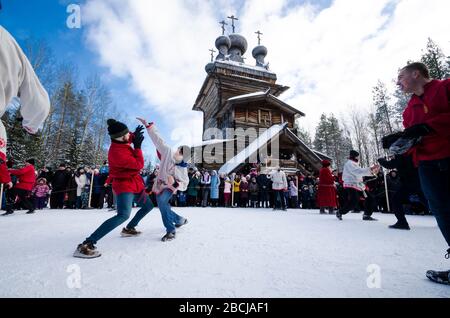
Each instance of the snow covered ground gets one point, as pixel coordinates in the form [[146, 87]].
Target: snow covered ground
[[222, 253]]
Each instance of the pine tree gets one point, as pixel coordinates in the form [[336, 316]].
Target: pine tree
[[374, 126], [331, 140], [435, 60], [321, 141], [303, 135], [383, 108], [401, 101]]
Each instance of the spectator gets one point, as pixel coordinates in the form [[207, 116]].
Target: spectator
[[40, 193], [215, 183], [59, 187], [254, 193]]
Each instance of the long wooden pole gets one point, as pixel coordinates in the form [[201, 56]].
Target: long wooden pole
[[232, 190], [90, 190], [386, 190]]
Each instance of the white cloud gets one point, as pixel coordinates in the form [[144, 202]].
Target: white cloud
[[330, 58]]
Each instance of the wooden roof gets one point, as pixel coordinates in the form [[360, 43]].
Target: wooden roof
[[249, 98]]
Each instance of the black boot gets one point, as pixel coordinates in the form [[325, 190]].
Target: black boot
[[439, 277], [400, 226], [183, 222], [168, 237], [8, 212]]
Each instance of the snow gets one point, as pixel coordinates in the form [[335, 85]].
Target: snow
[[211, 142], [247, 95], [252, 148], [221, 253], [251, 67]]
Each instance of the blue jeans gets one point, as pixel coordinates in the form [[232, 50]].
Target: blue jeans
[[169, 217], [435, 182], [124, 206]]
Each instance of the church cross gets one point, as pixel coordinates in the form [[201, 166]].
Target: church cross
[[223, 26], [212, 54], [259, 36], [232, 21]]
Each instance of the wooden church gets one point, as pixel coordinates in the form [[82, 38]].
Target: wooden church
[[239, 103]]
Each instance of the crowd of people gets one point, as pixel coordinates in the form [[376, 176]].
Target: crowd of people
[[64, 188], [88, 188]]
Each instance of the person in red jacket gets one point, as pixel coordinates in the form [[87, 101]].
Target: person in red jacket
[[22, 189], [125, 163], [427, 116], [326, 195]]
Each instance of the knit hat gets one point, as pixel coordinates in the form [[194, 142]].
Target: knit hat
[[326, 163], [116, 129], [354, 154], [31, 161]]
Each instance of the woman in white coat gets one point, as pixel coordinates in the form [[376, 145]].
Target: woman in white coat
[[81, 180]]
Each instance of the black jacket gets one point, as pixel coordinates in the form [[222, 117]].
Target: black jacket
[[60, 180]]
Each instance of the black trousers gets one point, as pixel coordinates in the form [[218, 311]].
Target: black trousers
[[57, 199], [264, 201], [352, 197], [24, 199], [110, 199]]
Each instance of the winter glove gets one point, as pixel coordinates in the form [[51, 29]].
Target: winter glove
[[417, 131], [139, 130], [137, 141], [387, 141], [382, 162]]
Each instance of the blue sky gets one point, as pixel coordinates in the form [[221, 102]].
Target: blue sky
[[46, 19]]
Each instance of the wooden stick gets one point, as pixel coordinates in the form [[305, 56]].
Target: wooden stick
[[90, 190], [232, 190], [386, 190]]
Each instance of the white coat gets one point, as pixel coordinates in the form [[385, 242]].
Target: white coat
[[17, 77], [353, 175]]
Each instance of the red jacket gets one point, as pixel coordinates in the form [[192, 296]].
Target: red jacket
[[326, 194], [26, 177], [433, 109], [125, 163], [4, 174]]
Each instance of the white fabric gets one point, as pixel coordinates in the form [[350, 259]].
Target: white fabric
[[353, 175], [81, 183], [168, 170], [279, 180], [17, 77]]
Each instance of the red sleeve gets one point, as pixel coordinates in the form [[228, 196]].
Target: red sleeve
[[441, 123], [4, 174], [20, 172]]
